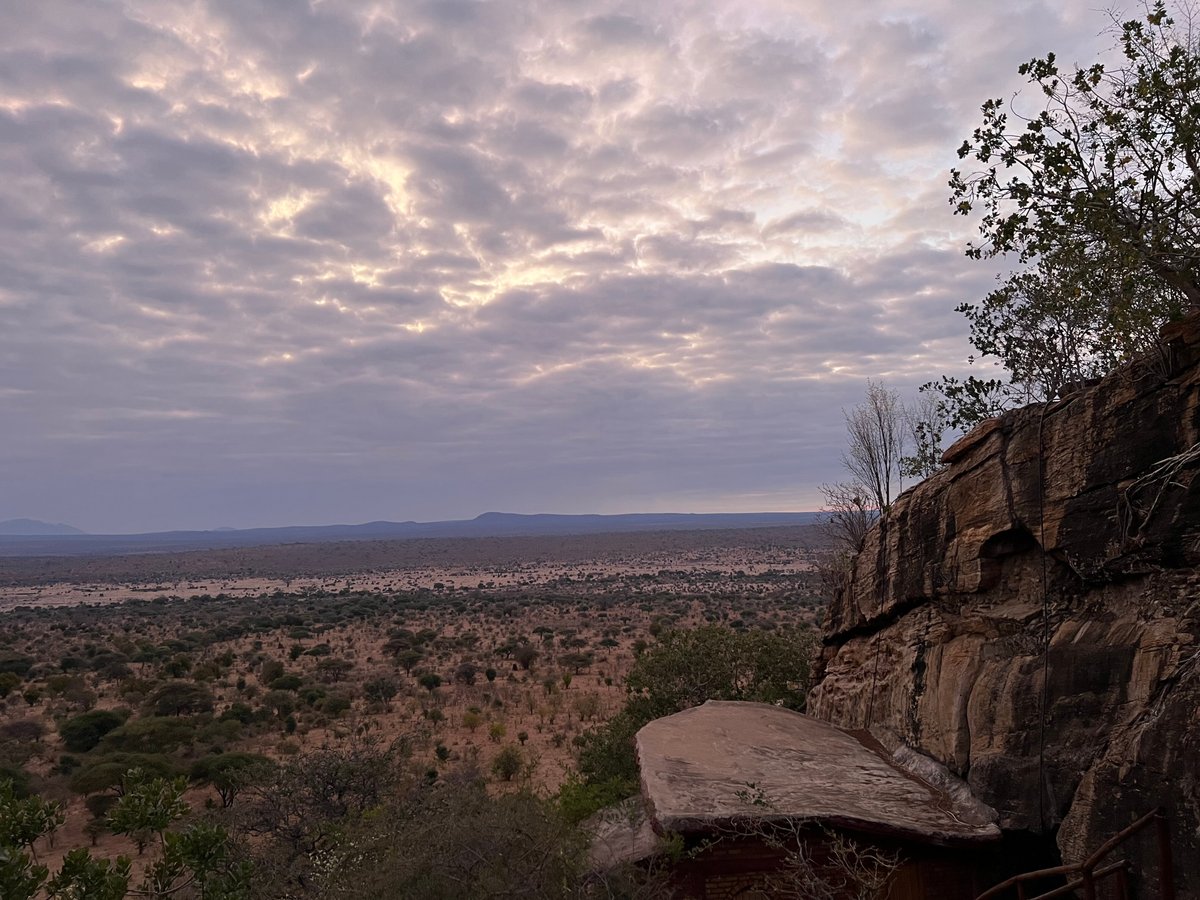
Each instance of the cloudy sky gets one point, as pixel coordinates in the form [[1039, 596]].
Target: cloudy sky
[[280, 262]]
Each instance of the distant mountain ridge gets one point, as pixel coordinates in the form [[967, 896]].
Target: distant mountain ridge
[[32, 527], [490, 524]]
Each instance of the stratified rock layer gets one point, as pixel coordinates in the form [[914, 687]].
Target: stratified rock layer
[[1029, 615]]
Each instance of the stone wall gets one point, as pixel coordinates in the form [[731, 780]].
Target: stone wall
[[1050, 567]]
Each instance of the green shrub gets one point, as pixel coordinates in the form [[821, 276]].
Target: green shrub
[[152, 734], [16, 663], [176, 698], [105, 772], [83, 732], [238, 712], [507, 763], [17, 776], [287, 682]]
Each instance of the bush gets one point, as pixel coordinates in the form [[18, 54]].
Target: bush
[[306, 801], [684, 669], [81, 733], [9, 682], [507, 763], [335, 704], [15, 663], [281, 703], [152, 734], [231, 773], [105, 772], [175, 698], [17, 777], [482, 850], [238, 712], [578, 799], [380, 690], [286, 683], [23, 731]]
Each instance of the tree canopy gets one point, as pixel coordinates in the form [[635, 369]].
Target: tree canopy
[[1096, 193], [1110, 164]]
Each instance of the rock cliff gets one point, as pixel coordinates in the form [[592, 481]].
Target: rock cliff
[[1029, 615]]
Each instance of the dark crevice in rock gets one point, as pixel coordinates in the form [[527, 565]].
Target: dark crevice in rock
[[874, 624]]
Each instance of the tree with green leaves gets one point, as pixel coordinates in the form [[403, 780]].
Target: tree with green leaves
[[230, 773], [23, 820], [1063, 322], [83, 732], [1096, 192], [200, 857], [408, 657], [148, 807], [381, 690], [1110, 162], [431, 681], [84, 876], [507, 764], [712, 662], [107, 772], [175, 698]]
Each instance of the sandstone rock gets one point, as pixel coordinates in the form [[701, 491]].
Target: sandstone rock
[[1030, 615], [727, 762]]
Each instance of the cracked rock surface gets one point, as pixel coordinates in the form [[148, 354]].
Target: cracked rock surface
[[1029, 615], [727, 762]]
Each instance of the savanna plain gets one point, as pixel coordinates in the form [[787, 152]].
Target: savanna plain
[[300, 706]]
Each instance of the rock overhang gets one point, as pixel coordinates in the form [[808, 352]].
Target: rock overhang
[[727, 764]]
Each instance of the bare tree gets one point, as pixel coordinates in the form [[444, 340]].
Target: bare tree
[[847, 870], [815, 863], [851, 513], [876, 436], [926, 423]]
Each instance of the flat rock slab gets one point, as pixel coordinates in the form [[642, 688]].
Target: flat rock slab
[[732, 763]]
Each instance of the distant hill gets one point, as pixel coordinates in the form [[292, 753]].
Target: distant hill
[[491, 524], [34, 527]]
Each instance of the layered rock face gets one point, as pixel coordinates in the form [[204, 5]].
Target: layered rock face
[[1030, 615]]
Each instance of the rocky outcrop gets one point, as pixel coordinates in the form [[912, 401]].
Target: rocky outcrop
[[1029, 615]]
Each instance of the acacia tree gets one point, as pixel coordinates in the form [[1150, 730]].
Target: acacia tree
[[1110, 164]]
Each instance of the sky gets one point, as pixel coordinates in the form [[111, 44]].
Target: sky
[[269, 262]]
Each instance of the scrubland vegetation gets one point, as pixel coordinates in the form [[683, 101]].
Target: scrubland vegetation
[[322, 742]]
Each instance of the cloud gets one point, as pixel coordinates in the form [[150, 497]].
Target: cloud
[[265, 261]]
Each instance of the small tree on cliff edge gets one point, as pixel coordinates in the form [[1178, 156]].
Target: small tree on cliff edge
[[1097, 193], [875, 444], [849, 514]]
